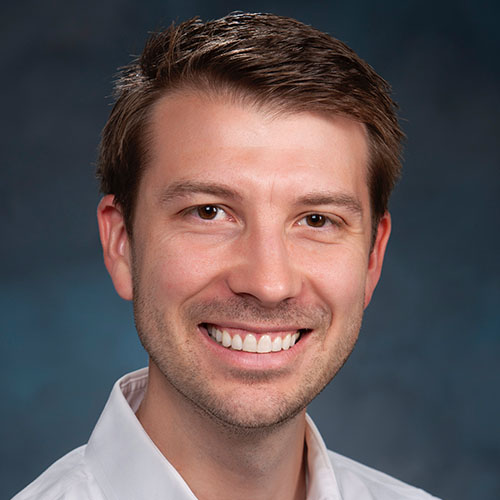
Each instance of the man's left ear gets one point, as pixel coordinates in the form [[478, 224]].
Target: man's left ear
[[115, 246], [377, 256]]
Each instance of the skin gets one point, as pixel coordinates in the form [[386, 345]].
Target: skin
[[233, 423]]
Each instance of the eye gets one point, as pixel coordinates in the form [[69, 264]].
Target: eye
[[207, 212], [317, 221]]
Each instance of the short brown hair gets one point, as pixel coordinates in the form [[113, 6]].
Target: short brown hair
[[270, 59]]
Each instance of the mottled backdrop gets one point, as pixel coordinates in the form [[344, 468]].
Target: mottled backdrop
[[419, 396]]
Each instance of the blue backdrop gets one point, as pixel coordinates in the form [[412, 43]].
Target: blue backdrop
[[419, 396]]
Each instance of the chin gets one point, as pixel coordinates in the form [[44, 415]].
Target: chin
[[249, 417], [255, 406]]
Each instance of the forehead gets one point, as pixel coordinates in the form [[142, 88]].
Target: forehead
[[201, 136]]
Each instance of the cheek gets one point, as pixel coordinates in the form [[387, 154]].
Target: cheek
[[339, 278], [180, 270]]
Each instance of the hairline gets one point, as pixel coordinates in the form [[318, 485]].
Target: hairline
[[205, 87]]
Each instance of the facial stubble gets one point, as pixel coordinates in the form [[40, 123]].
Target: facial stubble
[[173, 352]]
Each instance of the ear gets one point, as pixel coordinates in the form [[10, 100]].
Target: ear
[[377, 256], [115, 245]]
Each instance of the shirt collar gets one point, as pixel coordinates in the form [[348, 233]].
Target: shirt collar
[[128, 465]]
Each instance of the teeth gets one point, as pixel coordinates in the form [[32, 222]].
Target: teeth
[[249, 342], [237, 343], [226, 339], [277, 342], [264, 344], [286, 343]]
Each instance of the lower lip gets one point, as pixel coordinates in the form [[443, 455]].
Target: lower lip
[[251, 360]]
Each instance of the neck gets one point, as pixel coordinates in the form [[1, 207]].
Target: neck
[[219, 461]]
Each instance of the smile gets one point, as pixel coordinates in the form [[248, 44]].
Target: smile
[[254, 343]]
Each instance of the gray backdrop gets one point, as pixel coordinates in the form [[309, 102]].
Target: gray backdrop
[[419, 396]]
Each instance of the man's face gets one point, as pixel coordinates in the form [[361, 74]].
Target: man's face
[[257, 226]]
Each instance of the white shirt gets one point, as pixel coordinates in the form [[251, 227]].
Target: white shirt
[[120, 462]]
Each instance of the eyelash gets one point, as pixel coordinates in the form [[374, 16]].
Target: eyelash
[[328, 221], [195, 211]]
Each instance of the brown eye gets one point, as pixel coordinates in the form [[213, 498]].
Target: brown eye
[[315, 220], [207, 212]]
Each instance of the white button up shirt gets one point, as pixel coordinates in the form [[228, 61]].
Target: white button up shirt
[[120, 462]]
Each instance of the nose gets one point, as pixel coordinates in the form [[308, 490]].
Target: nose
[[264, 268]]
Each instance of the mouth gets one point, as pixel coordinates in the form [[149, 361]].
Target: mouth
[[262, 343]]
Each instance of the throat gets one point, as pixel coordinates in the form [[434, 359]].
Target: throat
[[251, 465], [218, 462]]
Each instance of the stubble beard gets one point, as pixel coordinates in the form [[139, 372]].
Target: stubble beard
[[181, 369]]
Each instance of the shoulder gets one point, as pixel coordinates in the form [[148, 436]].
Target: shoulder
[[67, 479], [358, 481]]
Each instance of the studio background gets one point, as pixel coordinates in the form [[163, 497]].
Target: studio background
[[418, 398]]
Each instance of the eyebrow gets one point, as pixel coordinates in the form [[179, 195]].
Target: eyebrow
[[344, 200], [182, 189]]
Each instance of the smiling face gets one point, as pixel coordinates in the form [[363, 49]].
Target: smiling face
[[252, 232]]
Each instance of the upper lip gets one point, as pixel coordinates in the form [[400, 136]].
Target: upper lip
[[255, 328]]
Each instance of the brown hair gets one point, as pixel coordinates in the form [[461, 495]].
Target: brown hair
[[269, 59]]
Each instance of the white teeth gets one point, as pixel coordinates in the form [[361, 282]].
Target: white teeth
[[264, 344], [249, 342], [286, 342], [277, 344], [237, 343], [226, 339]]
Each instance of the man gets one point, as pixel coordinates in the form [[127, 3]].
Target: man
[[246, 167]]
